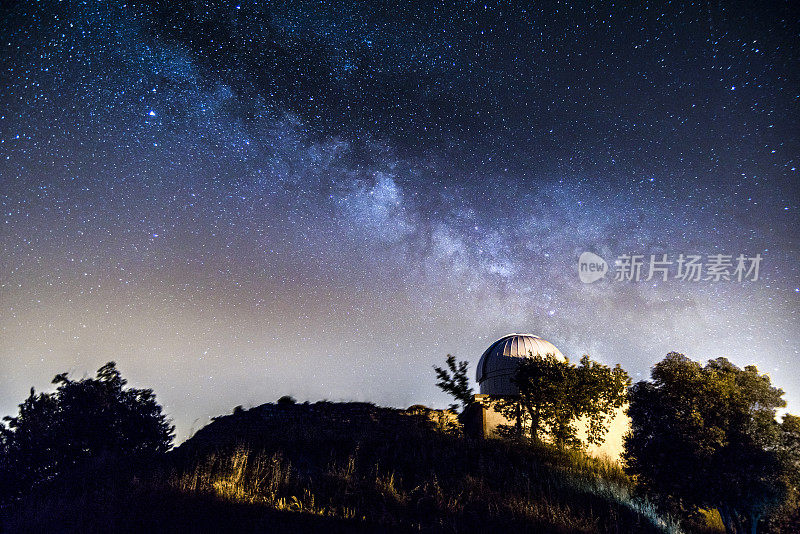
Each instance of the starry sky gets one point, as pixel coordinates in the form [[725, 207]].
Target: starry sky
[[237, 201]]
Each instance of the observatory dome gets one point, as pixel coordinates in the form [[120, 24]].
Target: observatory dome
[[499, 362]]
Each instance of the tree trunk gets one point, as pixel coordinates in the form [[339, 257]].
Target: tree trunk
[[754, 522], [534, 413]]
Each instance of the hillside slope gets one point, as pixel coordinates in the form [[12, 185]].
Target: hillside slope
[[338, 468], [399, 469]]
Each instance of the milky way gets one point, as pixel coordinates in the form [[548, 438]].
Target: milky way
[[241, 201]]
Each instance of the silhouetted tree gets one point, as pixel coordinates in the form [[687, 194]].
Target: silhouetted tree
[[554, 394], [707, 437], [455, 381], [82, 419], [287, 400]]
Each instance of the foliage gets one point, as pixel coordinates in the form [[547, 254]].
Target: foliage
[[455, 381], [81, 420], [707, 437], [341, 467], [555, 394], [287, 399]]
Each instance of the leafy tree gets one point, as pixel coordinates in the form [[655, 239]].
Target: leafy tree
[[82, 419], [554, 394], [541, 382], [455, 381], [707, 437]]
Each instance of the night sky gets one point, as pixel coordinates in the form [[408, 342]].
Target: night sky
[[241, 201]]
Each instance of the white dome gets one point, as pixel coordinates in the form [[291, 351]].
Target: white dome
[[499, 362]]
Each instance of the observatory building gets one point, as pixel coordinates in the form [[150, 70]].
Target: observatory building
[[496, 369], [499, 362]]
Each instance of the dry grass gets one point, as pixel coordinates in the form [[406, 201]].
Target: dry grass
[[421, 479]]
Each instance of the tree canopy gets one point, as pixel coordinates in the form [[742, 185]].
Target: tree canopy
[[554, 394], [82, 419], [708, 437], [455, 381]]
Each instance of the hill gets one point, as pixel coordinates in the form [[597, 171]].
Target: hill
[[343, 467]]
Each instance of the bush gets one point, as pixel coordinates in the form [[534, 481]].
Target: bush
[[79, 422]]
